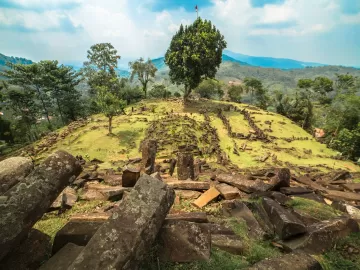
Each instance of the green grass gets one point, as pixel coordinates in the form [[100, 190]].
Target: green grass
[[340, 258], [219, 260], [51, 222], [314, 209], [256, 250], [357, 180], [128, 131]]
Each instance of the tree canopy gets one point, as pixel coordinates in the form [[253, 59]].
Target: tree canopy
[[144, 71], [195, 53]]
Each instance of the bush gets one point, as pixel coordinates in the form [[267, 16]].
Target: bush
[[235, 92]]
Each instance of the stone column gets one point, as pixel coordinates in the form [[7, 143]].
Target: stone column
[[128, 235], [149, 148], [185, 166], [24, 204]]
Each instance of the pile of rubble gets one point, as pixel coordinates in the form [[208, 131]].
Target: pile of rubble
[[141, 216]]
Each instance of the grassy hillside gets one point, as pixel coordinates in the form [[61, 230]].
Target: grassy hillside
[[173, 124]]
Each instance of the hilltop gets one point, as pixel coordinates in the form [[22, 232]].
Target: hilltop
[[15, 60], [278, 142]]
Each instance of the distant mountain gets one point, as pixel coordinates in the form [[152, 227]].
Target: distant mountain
[[160, 62], [15, 60], [270, 62]]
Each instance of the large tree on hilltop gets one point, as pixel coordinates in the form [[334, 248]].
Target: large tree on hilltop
[[195, 53], [144, 71]]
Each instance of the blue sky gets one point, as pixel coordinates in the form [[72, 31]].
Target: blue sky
[[324, 31]]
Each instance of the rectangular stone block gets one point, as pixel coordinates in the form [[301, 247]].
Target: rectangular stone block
[[207, 197], [123, 240]]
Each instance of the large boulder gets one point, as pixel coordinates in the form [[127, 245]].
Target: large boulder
[[123, 240], [182, 241], [242, 183], [323, 236], [29, 200], [293, 261], [286, 225], [12, 171], [149, 148]]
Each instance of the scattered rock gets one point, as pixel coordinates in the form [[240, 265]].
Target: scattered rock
[[294, 261], [77, 232], [30, 254], [124, 239], [66, 199], [182, 241], [96, 191], [197, 217], [341, 195], [113, 180], [91, 217], [130, 176], [188, 194], [243, 184], [29, 200], [286, 225], [12, 171], [295, 190], [311, 196], [219, 229], [352, 187], [238, 209], [207, 197], [62, 259], [353, 212], [228, 192], [189, 185], [323, 235], [282, 179], [230, 243]]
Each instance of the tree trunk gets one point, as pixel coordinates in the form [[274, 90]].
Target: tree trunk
[[61, 115], [43, 104], [187, 94], [110, 124], [144, 89]]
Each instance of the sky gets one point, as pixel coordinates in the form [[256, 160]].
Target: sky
[[323, 31]]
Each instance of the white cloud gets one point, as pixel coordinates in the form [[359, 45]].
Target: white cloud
[[276, 14], [136, 31]]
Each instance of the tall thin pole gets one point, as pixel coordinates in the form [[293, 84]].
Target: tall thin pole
[[197, 12]]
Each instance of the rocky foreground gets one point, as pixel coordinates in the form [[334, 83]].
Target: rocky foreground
[[174, 210]]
